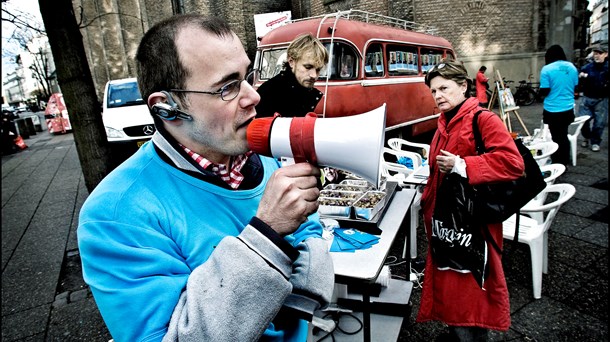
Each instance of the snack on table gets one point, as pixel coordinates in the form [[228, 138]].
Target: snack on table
[[335, 206], [369, 204], [356, 182], [341, 194]]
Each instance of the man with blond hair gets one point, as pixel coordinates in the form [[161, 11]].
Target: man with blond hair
[[291, 93]]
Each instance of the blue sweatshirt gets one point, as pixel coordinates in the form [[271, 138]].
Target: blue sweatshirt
[[157, 244]]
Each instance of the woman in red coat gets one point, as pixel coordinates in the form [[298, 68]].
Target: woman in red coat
[[449, 296], [481, 86]]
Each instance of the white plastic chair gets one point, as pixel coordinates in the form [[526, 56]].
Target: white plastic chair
[[535, 232], [398, 144], [542, 134], [542, 151], [551, 172], [392, 170], [424, 150], [575, 127]]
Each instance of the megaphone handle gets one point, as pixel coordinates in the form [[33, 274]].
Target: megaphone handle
[[302, 140]]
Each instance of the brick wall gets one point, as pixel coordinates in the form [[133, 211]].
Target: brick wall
[[480, 27], [516, 29], [319, 7]]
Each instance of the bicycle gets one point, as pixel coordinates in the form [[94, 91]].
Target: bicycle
[[527, 92]]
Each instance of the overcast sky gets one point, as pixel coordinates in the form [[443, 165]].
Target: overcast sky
[[29, 6]]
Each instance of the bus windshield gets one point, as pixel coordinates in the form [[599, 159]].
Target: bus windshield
[[343, 55]]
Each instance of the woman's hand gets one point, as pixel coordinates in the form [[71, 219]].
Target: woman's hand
[[445, 161]]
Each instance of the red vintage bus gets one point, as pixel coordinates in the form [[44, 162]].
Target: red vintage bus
[[374, 59]]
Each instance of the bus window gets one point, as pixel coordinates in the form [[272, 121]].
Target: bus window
[[345, 57], [272, 63], [374, 61], [402, 60], [430, 58]]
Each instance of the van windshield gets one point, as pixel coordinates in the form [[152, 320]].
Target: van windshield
[[124, 94]]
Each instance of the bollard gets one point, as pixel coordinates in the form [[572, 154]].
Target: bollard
[[22, 128], [37, 123], [30, 125]]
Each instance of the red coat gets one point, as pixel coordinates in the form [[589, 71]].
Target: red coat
[[452, 297], [481, 87]]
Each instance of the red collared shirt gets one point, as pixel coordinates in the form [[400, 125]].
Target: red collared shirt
[[232, 176]]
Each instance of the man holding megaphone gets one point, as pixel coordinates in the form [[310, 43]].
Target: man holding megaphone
[[195, 229]]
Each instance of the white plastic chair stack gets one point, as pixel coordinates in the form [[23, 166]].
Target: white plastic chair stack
[[575, 128], [534, 232], [424, 149]]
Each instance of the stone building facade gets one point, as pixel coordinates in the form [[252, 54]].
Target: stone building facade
[[510, 36]]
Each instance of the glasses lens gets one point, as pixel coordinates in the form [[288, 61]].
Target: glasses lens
[[230, 90], [250, 78]]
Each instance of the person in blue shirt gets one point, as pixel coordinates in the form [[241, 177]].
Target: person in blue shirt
[[558, 81], [594, 85], [194, 237]]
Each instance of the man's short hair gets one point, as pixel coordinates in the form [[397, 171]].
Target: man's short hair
[[307, 43], [158, 64]]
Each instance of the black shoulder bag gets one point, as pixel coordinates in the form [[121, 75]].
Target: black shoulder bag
[[496, 202], [462, 212]]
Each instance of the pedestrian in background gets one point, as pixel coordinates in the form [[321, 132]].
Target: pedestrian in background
[[481, 85], [291, 93], [594, 85], [9, 133], [558, 81], [454, 296], [195, 238]]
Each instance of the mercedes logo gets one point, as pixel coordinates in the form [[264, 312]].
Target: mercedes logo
[[148, 130]]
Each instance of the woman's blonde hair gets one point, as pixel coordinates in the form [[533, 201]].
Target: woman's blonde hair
[[451, 70]]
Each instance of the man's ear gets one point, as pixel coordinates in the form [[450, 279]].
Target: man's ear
[[156, 97], [291, 62]]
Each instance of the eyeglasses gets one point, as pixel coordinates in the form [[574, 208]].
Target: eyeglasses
[[227, 92]]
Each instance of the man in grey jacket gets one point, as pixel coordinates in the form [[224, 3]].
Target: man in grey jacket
[[195, 238]]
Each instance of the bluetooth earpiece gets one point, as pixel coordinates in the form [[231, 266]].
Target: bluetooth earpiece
[[169, 111]]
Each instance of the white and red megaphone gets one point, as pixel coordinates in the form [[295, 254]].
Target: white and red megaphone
[[351, 143]]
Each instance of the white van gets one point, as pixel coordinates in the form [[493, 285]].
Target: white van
[[125, 114]]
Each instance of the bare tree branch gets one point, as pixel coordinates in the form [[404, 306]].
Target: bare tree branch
[[22, 20], [90, 22]]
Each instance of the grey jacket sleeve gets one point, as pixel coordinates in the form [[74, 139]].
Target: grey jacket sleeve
[[313, 273], [235, 294], [312, 278]]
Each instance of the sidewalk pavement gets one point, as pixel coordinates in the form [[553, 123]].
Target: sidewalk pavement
[[43, 295], [45, 299]]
